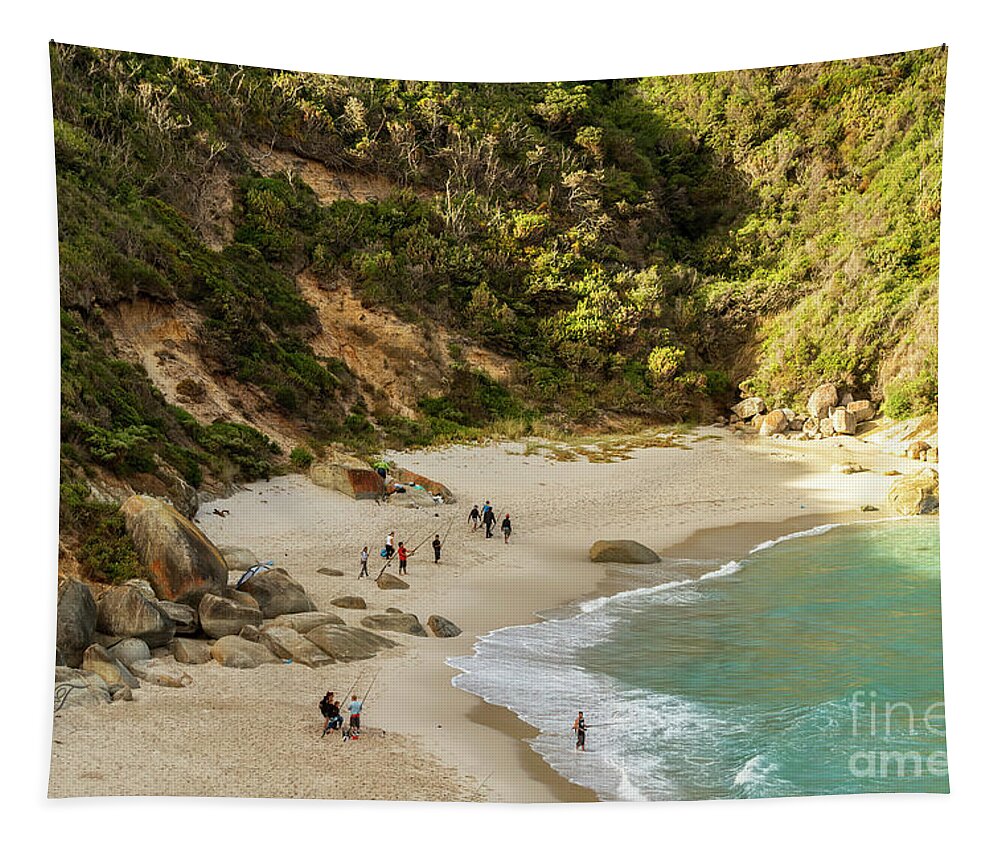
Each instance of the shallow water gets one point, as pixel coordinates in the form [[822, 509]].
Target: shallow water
[[769, 676]]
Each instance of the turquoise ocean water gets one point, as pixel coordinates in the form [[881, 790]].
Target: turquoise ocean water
[[810, 667]]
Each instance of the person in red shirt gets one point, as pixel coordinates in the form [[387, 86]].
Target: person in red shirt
[[403, 554]]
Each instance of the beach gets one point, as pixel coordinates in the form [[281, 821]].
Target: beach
[[710, 496]]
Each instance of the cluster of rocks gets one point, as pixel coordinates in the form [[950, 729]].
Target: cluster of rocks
[[828, 413], [188, 614]]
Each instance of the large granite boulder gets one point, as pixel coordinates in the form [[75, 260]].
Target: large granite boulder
[[98, 661], [76, 620], [442, 627], [622, 552], [129, 650], [775, 422], [124, 611], [917, 493], [826, 427], [235, 652], [286, 643], [231, 593], [277, 593], [305, 622], [181, 562], [918, 450], [347, 474], [822, 400], [184, 617], [78, 688], [238, 558], [411, 498], [161, 672], [190, 651], [863, 409], [349, 602], [348, 643], [748, 408], [408, 624], [844, 421], [408, 477], [219, 616], [143, 587], [391, 582]]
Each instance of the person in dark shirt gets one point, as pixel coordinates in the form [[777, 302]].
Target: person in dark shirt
[[489, 519], [474, 518], [436, 543], [581, 732], [331, 712], [505, 527]]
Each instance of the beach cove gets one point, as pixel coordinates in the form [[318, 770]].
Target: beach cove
[[708, 498]]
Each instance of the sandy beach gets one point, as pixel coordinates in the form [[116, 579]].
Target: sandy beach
[[256, 733]]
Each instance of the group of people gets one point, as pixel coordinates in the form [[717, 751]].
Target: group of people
[[391, 550], [335, 720], [487, 519]]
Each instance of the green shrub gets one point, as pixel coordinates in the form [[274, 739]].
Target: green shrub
[[301, 458]]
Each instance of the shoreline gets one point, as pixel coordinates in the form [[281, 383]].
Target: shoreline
[[710, 499]]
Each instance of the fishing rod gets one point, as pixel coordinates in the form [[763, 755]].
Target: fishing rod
[[369, 690]]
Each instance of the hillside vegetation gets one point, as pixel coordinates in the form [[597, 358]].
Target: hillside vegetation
[[639, 248]]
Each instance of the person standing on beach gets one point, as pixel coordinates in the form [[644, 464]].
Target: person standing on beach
[[354, 709], [436, 543], [364, 563], [403, 555], [581, 732], [390, 545], [489, 518], [505, 527], [474, 518]]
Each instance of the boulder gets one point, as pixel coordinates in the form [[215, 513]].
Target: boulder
[[848, 467], [863, 410], [250, 633], [143, 587], [189, 651], [123, 692], [918, 450], [391, 582], [408, 477], [756, 422], [348, 643], [161, 673], [843, 421], [305, 622], [810, 426], [124, 611], [219, 616], [347, 474], [277, 593], [442, 627], [774, 422], [408, 624], [76, 620], [822, 400], [78, 688], [286, 643], [845, 399], [330, 571], [748, 408], [869, 508], [181, 562], [184, 617], [238, 558], [349, 603], [932, 455], [917, 493], [129, 650], [232, 651], [231, 593], [411, 498], [622, 552], [826, 428], [98, 661]]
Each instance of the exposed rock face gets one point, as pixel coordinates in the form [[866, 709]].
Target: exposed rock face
[[843, 421], [406, 477], [189, 651], [235, 652], [130, 650], [78, 688], [748, 408], [159, 672], [184, 617], [917, 493], [863, 410], [220, 617], [918, 450], [348, 643], [349, 602], [305, 622], [277, 593], [622, 552], [98, 661], [126, 612], [238, 558], [182, 563], [408, 624], [442, 627], [391, 582], [774, 423], [76, 620], [143, 587], [286, 643], [822, 400], [347, 474]]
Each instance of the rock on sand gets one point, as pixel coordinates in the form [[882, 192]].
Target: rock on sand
[[917, 493], [442, 627], [76, 619], [408, 624], [277, 593], [622, 552], [348, 643], [232, 651]]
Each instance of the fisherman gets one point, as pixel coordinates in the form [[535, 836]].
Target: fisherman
[[403, 555], [390, 545], [354, 708], [489, 518], [581, 732], [474, 518], [506, 528], [436, 543], [364, 562]]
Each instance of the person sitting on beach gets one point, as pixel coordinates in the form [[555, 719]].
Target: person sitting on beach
[[331, 712], [581, 732], [505, 527], [403, 555], [354, 710], [474, 518], [436, 543], [364, 563]]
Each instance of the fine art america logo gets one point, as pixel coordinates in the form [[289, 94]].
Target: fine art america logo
[[885, 723]]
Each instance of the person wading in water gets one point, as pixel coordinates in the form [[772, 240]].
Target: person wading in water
[[581, 732]]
